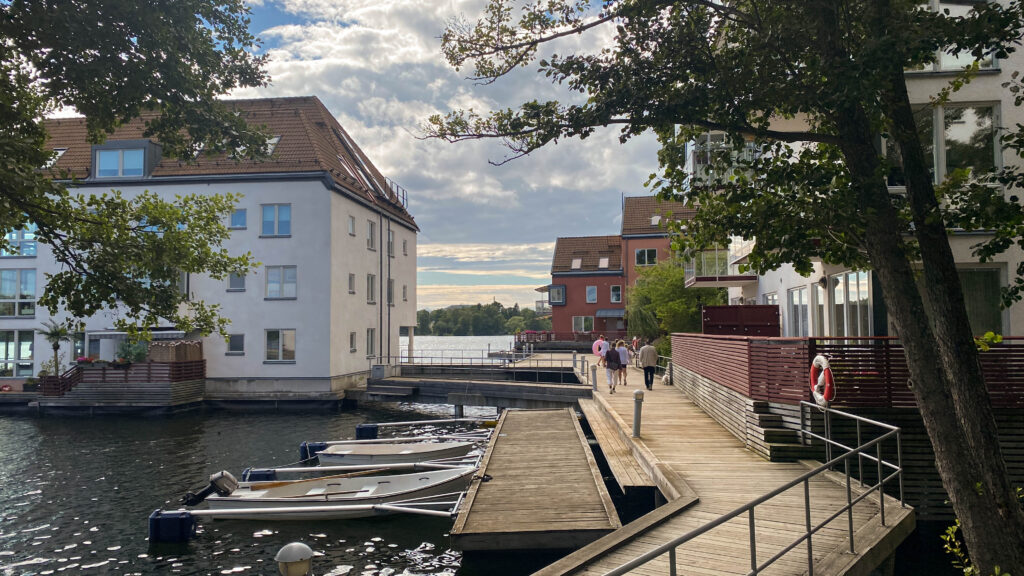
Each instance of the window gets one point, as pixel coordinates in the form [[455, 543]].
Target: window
[[281, 282], [371, 289], [351, 341], [371, 340], [577, 263], [17, 293], [982, 294], [947, 59], [968, 139], [851, 304], [797, 308], [647, 257], [391, 243], [616, 294], [78, 345], [236, 345], [351, 283], [405, 247], [280, 346], [21, 242], [271, 144], [57, 153], [405, 293], [16, 352], [119, 163], [238, 219], [351, 225], [591, 294], [582, 323], [770, 299], [602, 263], [819, 309], [236, 282], [556, 294], [391, 291], [371, 235], [277, 220], [655, 220]]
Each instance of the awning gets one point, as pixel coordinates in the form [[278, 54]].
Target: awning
[[611, 313]]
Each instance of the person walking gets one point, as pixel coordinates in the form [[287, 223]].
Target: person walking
[[600, 348], [612, 364], [624, 354], [648, 357], [634, 347]]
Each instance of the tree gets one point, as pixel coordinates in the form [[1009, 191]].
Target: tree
[[114, 61], [813, 85], [55, 333], [660, 303]]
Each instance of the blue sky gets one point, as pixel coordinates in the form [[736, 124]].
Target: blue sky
[[487, 232]]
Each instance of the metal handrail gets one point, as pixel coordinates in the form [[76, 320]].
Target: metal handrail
[[810, 530]]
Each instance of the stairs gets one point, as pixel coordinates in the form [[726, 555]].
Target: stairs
[[768, 436]]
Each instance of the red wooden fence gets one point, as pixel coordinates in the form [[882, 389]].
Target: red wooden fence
[[149, 372], [869, 372]]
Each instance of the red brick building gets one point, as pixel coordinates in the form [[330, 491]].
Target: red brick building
[[591, 275]]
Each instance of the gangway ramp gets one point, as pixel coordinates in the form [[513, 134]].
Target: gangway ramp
[[690, 448], [538, 488], [625, 468]]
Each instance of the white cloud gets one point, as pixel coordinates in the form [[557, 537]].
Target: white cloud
[[442, 295]]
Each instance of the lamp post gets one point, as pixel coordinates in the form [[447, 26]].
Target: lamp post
[[295, 559]]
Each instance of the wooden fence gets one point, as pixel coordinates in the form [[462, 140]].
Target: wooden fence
[[144, 372], [869, 372]]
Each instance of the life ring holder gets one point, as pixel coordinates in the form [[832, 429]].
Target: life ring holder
[[823, 385]]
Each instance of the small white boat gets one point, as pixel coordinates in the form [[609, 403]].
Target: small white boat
[[383, 453], [313, 499]]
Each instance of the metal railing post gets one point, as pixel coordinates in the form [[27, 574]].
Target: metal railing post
[[849, 504], [828, 434], [881, 484], [672, 562], [807, 520], [753, 543], [899, 463], [860, 457]]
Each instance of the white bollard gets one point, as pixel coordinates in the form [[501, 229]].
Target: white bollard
[[638, 405]]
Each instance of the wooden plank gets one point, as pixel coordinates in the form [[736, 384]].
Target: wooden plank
[[627, 471]]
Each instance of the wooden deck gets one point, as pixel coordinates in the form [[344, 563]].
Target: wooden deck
[[542, 488], [706, 473], [626, 470]]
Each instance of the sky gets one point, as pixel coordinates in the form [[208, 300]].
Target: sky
[[486, 232]]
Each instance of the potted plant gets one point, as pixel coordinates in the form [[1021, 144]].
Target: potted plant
[[83, 361]]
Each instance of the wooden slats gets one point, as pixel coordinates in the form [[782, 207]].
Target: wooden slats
[[627, 471]]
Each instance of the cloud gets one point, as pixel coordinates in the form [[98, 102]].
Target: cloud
[[442, 295]]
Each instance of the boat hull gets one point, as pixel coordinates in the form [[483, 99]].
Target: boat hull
[[346, 455], [246, 504]]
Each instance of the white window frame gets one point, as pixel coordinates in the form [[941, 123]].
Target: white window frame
[[21, 243], [276, 233], [351, 283], [351, 225], [391, 243], [579, 323], [281, 350], [282, 279], [234, 279], [391, 291], [591, 294], [936, 65], [371, 288], [352, 342], [798, 312], [120, 162], [239, 352], [862, 331], [371, 235], [770, 298], [371, 342], [244, 217], [19, 365], [21, 301], [612, 296], [576, 263]]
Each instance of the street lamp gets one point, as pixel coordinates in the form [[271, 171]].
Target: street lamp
[[295, 559]]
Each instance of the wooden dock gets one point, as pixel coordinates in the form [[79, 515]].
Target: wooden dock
[[705, 472], [538, 488]]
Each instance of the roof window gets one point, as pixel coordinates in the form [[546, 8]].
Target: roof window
[[655, 220], [57, 153], [603, 262], [120, 162], [577, 263], [271, 144]]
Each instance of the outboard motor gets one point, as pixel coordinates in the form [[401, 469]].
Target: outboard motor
[[223, 483]]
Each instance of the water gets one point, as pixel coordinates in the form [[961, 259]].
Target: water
[[456, 346], [75, 494]]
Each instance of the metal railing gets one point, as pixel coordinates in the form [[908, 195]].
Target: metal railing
[[860, 452], [546, 367]]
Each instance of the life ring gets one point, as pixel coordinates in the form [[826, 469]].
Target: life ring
[[596, 347], [823, 386]]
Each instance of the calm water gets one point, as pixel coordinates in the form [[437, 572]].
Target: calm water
[[75, 494], [456, 346]]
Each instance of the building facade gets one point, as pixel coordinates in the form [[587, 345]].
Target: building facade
[[334, 239]]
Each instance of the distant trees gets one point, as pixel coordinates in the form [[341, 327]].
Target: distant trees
[[478, 320]]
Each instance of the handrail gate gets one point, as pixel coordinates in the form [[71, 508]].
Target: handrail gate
[[886, 472]]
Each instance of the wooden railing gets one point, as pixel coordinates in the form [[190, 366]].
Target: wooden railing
[[151, 372], [869, 372]]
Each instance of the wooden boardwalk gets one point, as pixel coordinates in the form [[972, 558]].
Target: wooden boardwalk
[[706, 473], [538, 487]]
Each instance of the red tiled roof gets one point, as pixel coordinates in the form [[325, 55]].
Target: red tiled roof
[[639, 210], [589, 250], [312, 140]]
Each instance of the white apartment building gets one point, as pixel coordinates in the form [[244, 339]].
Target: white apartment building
[[835, 301], [335, 242]]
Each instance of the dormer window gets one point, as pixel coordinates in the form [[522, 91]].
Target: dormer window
[[655, 220], [271, 144], [120, 162], [57, 153], [577, 263]]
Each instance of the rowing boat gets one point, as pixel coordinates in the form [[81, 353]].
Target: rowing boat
[[370, 454]]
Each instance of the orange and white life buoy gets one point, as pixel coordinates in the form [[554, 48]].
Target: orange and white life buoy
[[823, 386]]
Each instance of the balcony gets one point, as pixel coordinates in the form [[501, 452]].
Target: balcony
[[716, 268]]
